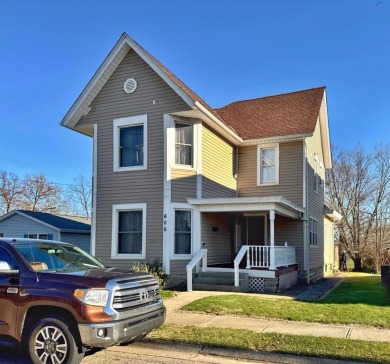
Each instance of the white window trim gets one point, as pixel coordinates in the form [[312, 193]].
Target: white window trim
[[268, 146], [129, 121], [196, 143], [311, 231], [179, 206], [114, 235]]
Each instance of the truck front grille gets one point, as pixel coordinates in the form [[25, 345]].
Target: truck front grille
[[133, 294]]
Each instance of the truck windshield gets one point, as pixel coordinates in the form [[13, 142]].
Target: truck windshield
[[56, 256]]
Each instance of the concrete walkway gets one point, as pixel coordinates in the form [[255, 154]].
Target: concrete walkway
[[177, 317]]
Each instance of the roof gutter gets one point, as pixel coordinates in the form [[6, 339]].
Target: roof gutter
[[231, 133], [277, 139]]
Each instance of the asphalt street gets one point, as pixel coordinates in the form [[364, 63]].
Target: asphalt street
[[157, 352]]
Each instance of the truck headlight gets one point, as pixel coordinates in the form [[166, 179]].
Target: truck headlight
[[93, 297]]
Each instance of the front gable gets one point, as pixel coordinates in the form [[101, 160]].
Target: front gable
[[152, 96]]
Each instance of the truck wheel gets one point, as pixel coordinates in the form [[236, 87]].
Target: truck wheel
[[51, 342]]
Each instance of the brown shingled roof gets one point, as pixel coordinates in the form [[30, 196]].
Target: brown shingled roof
[[287, 114], [191, 94]]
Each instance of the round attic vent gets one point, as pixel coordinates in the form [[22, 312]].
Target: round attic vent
[[130, 85]]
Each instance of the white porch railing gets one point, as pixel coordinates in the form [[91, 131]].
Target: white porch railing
[[260, 256], [201, 255], [284, 255]]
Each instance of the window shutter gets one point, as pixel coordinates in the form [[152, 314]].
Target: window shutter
[[49, 236]]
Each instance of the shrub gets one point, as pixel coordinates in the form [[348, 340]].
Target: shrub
[[154, 268]]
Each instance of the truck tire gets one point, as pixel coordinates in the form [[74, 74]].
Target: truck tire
[[51, 342]]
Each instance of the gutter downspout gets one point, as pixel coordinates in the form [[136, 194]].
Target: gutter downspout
[[306, 255]]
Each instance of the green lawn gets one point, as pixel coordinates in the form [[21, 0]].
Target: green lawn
[[342, 349], [359, 299], [166, 294]]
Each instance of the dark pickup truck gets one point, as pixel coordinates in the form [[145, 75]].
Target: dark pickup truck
[[58, 301]]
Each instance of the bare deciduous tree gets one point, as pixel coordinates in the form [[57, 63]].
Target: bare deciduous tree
[[359, 187], [10, 191], [39, 194], [81, 193]]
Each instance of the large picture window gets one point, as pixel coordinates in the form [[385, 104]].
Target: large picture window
[[183, 236], [268, 165], [130, 143], [183, 144], [128, 230]]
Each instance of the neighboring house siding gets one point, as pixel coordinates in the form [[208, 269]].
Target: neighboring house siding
[[216, 237], [83, 241], [217, 166], [183, 184], [154, 98], [329, 248], [290, 173], [17, 226], [315, 203]]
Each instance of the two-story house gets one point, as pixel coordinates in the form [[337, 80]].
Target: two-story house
[[239, 189]]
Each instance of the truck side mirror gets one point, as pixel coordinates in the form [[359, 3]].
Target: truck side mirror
[[5, 269]]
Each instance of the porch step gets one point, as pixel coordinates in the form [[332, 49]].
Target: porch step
[[220, 275], [216, 287], [220, 281]]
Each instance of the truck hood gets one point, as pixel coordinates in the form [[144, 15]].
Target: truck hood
[[96, 277]]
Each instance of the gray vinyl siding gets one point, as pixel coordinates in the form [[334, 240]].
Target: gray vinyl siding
[[315, 199], [217, 243], [183, 184], [178, 267], [142, 186], [291, 231], [16, 226], [83, 241], [290, 173]]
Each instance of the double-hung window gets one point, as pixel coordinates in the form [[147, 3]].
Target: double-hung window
[[183, 232], [128, 230], [267, 164], [313, 231], [130, 136], [183, 144]]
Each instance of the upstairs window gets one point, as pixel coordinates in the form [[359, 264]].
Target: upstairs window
[[268, 165], [131, 148], [183, 144], [130, 143]]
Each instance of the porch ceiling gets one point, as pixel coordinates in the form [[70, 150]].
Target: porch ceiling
[[279, 204]]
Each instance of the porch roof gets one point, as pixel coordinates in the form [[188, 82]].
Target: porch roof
[[279, 204]]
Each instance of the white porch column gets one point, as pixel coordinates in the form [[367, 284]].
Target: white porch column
[[272, 238]]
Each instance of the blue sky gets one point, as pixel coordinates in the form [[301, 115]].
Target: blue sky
[[224, 50]]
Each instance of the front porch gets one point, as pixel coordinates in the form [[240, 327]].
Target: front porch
[[252, 277], [260, 250]]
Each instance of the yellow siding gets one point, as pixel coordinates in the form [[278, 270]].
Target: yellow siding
[[183, 184], [315, 200], [217, 166]]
